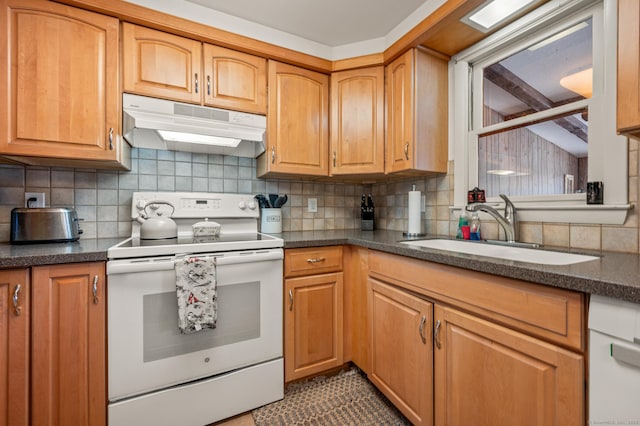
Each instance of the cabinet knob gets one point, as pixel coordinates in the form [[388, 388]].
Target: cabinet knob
[[16, 300]]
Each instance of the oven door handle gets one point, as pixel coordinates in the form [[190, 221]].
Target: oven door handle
[[168, 263], [249, 257]]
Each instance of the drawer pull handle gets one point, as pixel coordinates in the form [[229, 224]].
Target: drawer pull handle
[[436, 334], [316, 260], [291, 300], [95, 290], [273, 154], [209, 85], [423, 320], [406, 151], [334, 159], [16, 300]]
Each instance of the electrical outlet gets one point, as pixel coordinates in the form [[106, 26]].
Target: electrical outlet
[[34, 199], [312, 205]]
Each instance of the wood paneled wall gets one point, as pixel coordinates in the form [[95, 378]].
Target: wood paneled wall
[[540, 165]]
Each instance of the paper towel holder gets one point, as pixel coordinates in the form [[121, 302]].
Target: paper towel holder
[[412, 234]]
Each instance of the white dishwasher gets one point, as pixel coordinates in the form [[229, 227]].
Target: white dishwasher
[[614, 357]]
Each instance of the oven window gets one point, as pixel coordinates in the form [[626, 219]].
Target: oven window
[[238, 320]]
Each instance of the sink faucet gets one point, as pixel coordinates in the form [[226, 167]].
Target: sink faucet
[[508, 222]]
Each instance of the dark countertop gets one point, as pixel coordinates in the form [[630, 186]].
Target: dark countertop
[[83, 250], [615, 275]]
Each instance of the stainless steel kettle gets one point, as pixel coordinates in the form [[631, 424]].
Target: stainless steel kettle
[[157, 227]]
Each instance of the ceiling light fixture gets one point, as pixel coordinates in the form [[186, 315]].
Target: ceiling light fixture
[[199, 139], [558, 36], [580, 82], [493, 12]]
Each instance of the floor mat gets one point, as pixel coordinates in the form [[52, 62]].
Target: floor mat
[[345, 399]]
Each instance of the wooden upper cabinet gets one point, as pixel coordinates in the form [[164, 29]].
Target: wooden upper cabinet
[[416, 108], [14, 347], [59, 92], [357, 121], [69, 345], [628, 108], [161, 65], [297, 122], [171, 67], [488, 375], [235, 80]]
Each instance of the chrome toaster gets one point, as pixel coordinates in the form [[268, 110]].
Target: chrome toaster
[[44, 225]]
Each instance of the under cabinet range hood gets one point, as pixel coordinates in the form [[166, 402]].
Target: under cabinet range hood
[[161, 124]]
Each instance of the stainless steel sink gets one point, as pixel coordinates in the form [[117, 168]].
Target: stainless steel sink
[[530, 255]]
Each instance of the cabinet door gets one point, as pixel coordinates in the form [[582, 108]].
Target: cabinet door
[[489, 375], [628, 115], [297, 123], [235, 80], [69, 343], [59, 79], [313, 324], [14, 347], [399, 98], [402, 350], [161, 65], [357, 121], [417, 114]]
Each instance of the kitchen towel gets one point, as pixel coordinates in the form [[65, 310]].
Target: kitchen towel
[[196, 289], [414, 227]]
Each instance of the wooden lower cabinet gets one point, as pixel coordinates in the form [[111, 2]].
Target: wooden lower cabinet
[[313, 324], [68, 363], [14, 347], [486, 374], [402, 350]]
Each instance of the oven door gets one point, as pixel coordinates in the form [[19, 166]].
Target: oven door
[[147, 350]]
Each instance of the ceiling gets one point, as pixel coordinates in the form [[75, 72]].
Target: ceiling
[[329, 22]]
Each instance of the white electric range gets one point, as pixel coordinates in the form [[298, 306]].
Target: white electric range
[[162, 377]]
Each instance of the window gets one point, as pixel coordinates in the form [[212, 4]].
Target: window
[[534, 115]]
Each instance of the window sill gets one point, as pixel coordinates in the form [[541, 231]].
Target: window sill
[[601, 214]]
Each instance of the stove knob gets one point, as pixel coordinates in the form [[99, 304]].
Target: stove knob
[[252, 205], [242, 205], [141, 204]]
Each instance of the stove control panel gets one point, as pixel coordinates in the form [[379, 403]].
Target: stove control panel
[[198, 204]]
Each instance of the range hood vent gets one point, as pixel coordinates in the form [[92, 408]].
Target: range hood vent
[[161, 124]]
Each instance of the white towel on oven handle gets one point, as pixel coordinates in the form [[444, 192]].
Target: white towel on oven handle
[[197, 293]]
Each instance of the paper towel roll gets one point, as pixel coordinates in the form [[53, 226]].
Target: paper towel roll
[[414, 212]]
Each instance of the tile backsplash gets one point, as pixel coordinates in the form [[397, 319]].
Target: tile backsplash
[[103, 198]]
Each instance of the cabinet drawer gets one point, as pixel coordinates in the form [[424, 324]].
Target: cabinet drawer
[[314, 260]]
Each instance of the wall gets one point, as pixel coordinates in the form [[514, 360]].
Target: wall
[[440, 220], [103, 198]]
